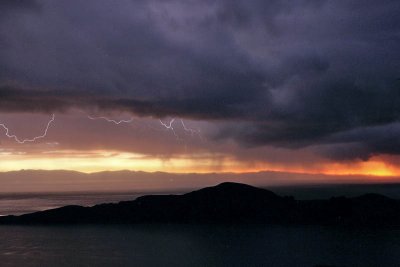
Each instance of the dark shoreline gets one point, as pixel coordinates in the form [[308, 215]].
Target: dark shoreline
[[227, 204]]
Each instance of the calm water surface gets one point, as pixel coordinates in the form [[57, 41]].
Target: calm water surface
[[20, 203], [184, 245]]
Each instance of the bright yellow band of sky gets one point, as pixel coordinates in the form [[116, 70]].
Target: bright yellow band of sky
[[95, 161]]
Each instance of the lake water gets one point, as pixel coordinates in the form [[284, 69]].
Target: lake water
[[20, 203], [185, 245]]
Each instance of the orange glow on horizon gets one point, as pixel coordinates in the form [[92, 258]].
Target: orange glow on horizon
[[96, 161]]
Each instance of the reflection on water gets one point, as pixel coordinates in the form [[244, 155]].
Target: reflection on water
[[184, 245]]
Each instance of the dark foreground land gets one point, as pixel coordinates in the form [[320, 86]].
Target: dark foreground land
[[227, 203]]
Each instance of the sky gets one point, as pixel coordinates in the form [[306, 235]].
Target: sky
[[299, 87]]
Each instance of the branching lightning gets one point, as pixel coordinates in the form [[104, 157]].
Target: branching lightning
[[169, 126], [23, 141], [191, 131]]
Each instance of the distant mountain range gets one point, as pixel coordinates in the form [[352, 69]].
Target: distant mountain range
[[227, 203], [303, 186]]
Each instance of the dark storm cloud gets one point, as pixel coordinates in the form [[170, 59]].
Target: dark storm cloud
[[278, 73], [6, 5], [15, 99], [364, 142]]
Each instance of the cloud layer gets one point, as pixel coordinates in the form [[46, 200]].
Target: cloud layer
[[320, 74]]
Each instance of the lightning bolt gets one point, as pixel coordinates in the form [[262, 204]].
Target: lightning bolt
[[23, 141], [191, 131], [110, 120], [169, 126], [116, 122]]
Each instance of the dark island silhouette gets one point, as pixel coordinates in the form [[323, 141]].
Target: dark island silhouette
[[226, 203]]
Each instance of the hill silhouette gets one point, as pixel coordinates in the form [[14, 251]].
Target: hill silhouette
[[227, 203]]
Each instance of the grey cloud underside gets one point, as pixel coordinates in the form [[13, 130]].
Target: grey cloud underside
[[292, 74]]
